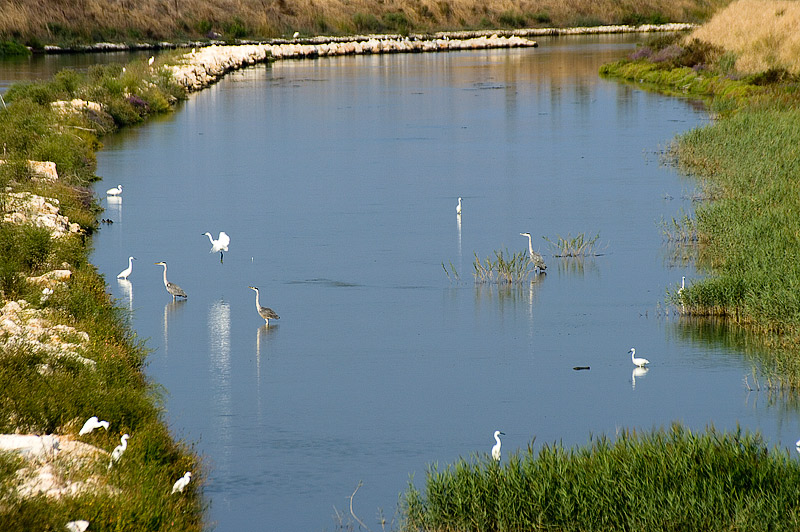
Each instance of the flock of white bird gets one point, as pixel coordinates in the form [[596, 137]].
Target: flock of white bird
[[218, 245]]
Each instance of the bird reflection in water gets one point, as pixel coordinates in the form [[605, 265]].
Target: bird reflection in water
[[126, 288], [115, 207], [638, 372], [170, 309], [219, 343]]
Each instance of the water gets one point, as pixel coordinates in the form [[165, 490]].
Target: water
[[337, 180]]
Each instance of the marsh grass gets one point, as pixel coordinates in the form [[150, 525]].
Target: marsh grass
[[505, 268], [574, 246], [662, 480], [37, 22], [46, 394]]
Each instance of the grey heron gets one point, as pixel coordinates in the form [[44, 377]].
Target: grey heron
[[637, 361], [496, 447], [536, 258], [173, 289], [127, 271], [264, 312]]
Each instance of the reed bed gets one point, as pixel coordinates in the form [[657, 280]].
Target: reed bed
[[38, 22], [663, 480], [507, 268], [43, 394], [574, 246]]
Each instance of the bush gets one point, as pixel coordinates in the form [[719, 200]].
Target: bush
[[13, 48]]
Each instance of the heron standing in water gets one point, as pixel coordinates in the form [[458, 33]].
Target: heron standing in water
[[637, 361], [220, 244], [536, 258], [127, 271], [173, 289], [116, 191], [264, 312]]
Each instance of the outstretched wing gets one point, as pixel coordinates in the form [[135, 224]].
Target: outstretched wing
[[223, 240]]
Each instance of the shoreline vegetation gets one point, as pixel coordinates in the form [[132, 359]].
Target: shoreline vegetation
[[36, 23], [662, 480]]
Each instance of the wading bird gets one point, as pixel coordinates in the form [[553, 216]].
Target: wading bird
[[150, 61], [77, 526], [264, 312], [220, 244], [496, 447], [116, 191], [173, 289], [118, 450], [127, 271], [91, 424], [295, 35], [182, 482], [458, 207], [641, 362], [536, 258]]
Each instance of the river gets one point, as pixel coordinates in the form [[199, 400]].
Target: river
[[337, 180]]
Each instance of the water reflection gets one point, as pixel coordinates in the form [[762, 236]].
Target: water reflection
[[114, 207], [219, 343], [126, 288], [577, 267], [637, 372], [170, 308]]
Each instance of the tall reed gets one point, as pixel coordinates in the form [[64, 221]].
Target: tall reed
[[662, 480]]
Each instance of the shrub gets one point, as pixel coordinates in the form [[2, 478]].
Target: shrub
[[13, 48]]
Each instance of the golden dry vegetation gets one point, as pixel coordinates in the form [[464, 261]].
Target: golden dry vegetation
[[65, 21], [762, 34]]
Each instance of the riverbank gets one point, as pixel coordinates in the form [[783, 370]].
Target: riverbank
[[37, 23], [746, 234]]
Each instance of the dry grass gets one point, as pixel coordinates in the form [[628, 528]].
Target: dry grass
[[763, 34], [95, 20]]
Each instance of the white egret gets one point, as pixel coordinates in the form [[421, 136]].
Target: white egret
[[641, 362], [264, 312], [683, 285], [220, 244], [127, 271], [173, 289], [295, 35], [118, 450], [150, 61], [182, 482], [458, 207], [77, 526], [91, 424], [496, 447], [536, 258], [116, 191]]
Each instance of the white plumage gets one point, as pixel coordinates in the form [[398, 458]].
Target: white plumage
[[458, 207], [116, 454], [496, 447], [182, 482], [77, 526], [91, 424], [641, 362], [116, 191], [127, 271], [220, 244]]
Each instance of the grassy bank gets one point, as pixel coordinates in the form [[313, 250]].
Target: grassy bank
[[748, 162], [76, 355], [38, 22], [664, 480]]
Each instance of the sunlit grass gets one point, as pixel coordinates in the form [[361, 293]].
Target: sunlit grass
[[663, 480], [574, 246]]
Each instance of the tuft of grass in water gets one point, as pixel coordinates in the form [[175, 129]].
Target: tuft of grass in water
[[574, 246], [662, 480], [503, 268]]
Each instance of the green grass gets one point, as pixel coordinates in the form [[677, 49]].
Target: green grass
[[574, 246], [505, 268], [42, 394], [665, 480]]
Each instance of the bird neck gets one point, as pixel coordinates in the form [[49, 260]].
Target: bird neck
[[258, 306], [165, 274]]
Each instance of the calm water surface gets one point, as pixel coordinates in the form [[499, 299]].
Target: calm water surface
[[337, 180]]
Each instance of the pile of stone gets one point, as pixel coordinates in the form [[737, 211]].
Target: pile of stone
[[26, 208], [28, 328]]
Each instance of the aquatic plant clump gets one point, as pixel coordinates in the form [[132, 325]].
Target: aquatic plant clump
[[574, 246], [505, 268], [663, 480]]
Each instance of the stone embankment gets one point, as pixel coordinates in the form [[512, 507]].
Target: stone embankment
[[204, 66]]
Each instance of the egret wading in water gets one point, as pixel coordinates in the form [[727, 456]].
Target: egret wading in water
[[127, 271], [641, 362], [173, 289], [116, 191], [182, 482], [118, 450], [536, 258], [264, 312], [91, 424], [496, 447], [458, 207], [220, 244]]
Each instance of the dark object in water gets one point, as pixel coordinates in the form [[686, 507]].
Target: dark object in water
[[578, 368]]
